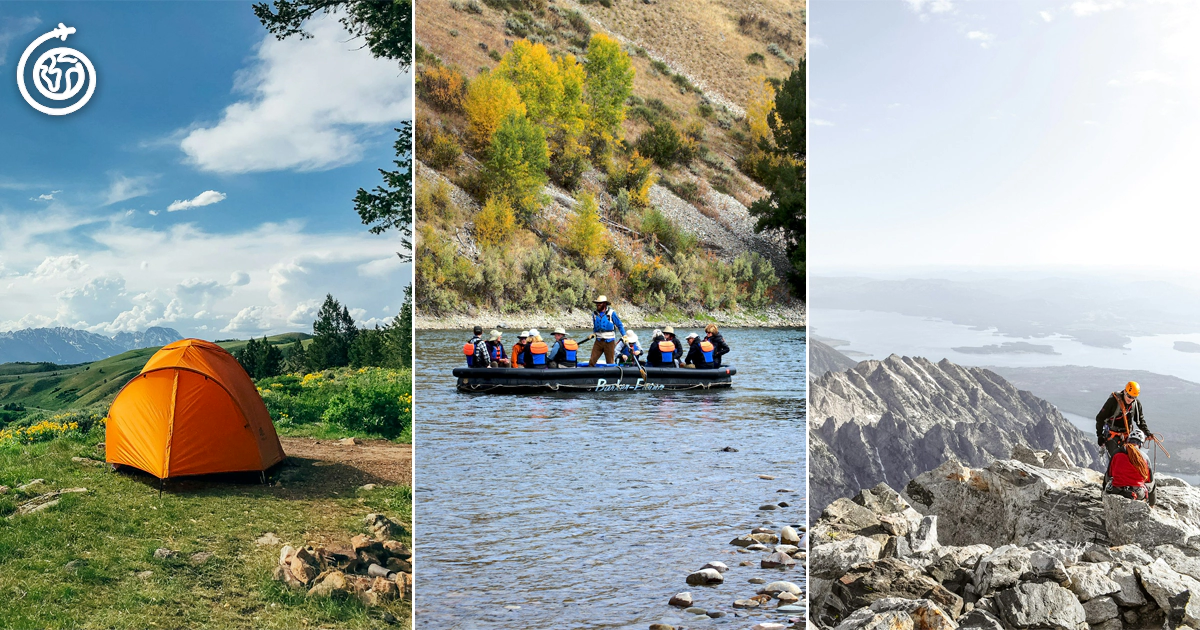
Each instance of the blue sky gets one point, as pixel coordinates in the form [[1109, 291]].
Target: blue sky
[[955, 134], [207, 185]]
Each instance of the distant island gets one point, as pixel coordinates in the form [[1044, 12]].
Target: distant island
[[1008, 347], [1187, 346]]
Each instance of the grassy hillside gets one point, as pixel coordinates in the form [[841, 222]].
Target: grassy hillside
[[56, 387], [669, 226]]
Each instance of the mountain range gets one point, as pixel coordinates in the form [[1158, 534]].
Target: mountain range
[[67, 345], [889, 421]]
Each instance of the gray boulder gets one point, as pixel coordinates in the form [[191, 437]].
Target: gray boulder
[[1100, 609], [1131, 593], [1002, 569], [1131, 521], [979, 619], [1032, 605], [1089, 581], [1010, 502], [1176, 594], [894, 613], [832, 560]]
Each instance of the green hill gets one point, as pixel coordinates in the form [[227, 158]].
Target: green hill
[[55, 387]]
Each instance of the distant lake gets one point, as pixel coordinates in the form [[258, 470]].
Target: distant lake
[[877, 334]]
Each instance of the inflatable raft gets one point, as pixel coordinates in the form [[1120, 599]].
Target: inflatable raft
[[590, 379]]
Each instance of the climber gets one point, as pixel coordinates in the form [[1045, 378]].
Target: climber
[[1128, 471], [1121, 413]]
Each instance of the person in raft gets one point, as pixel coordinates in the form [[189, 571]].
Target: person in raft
[[564, 352], [496, 354], [664, 352], [628, 348], [701, 353], [1128, 469], [1122, 413], [476, 350], [536, 352], [518, 349], [605, 326], [720, 348]]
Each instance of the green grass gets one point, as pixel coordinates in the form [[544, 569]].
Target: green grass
[[113, 530], [55, 387]]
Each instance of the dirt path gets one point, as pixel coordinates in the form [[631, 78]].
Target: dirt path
[[328, 465]]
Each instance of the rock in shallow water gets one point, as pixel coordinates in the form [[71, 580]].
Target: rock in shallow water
[[704, 577], [681, 600]]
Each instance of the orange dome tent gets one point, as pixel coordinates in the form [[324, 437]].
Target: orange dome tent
[[193, 410]]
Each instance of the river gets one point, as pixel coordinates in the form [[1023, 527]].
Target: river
[[589, 510]]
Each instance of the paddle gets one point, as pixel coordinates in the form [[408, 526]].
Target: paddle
[[641, 370]]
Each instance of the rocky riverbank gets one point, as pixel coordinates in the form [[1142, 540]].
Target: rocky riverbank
[[776, 552], [1028, 542], [785, 316]]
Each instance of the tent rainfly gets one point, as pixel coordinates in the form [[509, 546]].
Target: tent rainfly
[[193, 410]]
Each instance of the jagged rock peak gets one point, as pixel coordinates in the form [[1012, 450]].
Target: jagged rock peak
[[887, 421]]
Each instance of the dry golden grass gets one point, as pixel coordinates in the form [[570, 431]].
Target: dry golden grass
[[702, 38]]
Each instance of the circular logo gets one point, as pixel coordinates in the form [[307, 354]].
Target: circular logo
[[59, 74]]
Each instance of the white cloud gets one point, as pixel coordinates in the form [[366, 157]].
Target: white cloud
[[206, 198], [1046, 16], [252, 319], [154, 213], [983, 37], [11, 29], [66, 266], [381, 267], [306, 103], [934, 6], [119, 276], [817, 122], [123, 188], [1091, 7], [816, 42], [46, 196]]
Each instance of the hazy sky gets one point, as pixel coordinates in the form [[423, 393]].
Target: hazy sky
[[952, 133], [207, 185]]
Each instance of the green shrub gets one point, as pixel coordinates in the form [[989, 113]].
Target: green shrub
[[376, 401], [756, 59], [675, 239], [660, 143]]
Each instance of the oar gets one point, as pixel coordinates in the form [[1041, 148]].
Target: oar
[[641, 370]]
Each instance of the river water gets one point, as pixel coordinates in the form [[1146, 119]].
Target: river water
[[589, 510]]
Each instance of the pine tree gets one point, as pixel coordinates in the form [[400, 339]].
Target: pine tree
[[270, 360], [784, 210], [333, 332], [294, 359]]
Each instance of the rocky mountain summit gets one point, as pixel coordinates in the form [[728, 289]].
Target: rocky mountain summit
[[888, 421], [1027, 542], [824, 358]]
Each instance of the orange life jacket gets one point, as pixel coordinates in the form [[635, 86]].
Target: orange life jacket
[[665, 346], [538, 350], [706, 350]]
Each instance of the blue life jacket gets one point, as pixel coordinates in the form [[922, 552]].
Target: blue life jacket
[[706, 350], [602, 321]]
